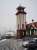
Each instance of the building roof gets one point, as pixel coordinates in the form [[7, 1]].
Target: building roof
[[34, 25]]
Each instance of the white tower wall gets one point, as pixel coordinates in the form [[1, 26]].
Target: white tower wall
[[21, 19]]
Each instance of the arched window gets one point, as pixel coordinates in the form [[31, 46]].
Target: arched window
[[22, 26], [18, 26]]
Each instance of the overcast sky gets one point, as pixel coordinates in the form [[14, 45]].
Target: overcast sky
[[8, 11]]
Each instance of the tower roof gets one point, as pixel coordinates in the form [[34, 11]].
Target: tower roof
[[20, 7], [21, 13], [20, 10]]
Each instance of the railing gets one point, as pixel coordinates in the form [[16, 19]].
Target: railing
[[4, 48], [11, 44], [3, 45]]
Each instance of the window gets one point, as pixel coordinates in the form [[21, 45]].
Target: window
[[18, 26], [23, 33], [22, 26]]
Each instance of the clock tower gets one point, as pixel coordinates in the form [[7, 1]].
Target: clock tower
[[21, 22]]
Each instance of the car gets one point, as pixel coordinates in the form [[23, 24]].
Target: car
[[31, 45], [25, 43], [34, 41]]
